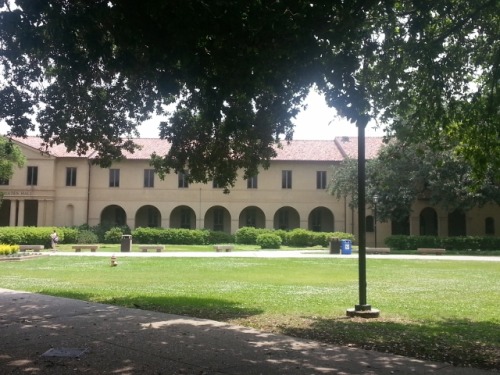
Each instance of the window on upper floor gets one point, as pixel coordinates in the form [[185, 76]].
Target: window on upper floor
[[182, 180], [71, 176], [32, 177], [216, 185], [149, 178], [321, 180], [114, 178], [252, 182], [286, 179], [4, 181]]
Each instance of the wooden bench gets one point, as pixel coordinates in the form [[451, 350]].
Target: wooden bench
[[158, 248], [429, 250], [79, 248], [31, 247], [226, 248], [378, 250]]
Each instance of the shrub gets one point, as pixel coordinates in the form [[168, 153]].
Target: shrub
[[114, 235], [8, 249], [247, 235], [269, 241], [87, 236], [301, 238]]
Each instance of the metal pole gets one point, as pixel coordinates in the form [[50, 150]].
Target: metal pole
[[362, 309]]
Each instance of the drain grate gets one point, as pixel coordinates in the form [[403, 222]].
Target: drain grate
[[64, 352]]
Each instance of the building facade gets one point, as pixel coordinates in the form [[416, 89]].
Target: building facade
[[61, 188]]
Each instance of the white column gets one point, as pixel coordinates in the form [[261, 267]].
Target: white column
[[13, 212], [20, 217]]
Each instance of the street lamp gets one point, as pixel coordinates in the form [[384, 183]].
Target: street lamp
[[375, 200], [362, 309]]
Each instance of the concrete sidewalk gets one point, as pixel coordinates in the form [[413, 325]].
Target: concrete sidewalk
[[50, 335]]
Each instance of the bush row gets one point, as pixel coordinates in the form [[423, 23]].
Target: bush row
[[449, 243], [296, 237], [100, 234]]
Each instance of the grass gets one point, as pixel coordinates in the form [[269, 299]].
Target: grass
[[438, 310]]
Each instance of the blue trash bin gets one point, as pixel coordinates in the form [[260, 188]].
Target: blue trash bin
[[346, 247]]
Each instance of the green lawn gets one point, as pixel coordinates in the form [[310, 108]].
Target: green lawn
[[440, 310]]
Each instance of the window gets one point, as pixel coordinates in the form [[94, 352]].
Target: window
[[32, 176], [71, 176], [321, 180], [4, 181], [252, 182], [489, 226], [114, 178], [183, 180], [286, 179], [149, 178], [216, 185], [218, 219]]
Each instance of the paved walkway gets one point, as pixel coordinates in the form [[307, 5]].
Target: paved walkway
[[49, 335]]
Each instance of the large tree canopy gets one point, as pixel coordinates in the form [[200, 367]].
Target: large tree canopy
[[402, 174], [90, 71]]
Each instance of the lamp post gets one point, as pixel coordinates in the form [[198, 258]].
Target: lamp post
[[363, 309], [375, 200]]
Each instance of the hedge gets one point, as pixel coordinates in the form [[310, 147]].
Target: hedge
[[400, 242]]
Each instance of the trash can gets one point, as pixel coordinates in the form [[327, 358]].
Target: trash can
[[345, 247], [126, 243], [334, 245]]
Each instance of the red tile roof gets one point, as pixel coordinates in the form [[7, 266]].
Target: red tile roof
[[296, 150]]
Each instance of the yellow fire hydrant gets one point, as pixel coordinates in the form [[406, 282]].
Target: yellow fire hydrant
[[113, 261]]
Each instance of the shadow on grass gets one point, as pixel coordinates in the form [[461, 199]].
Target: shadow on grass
[[205, 308], [459, 342]]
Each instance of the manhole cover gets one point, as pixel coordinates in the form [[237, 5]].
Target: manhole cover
[[64, 352]]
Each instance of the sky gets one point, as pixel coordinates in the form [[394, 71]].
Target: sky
[[317, 122]]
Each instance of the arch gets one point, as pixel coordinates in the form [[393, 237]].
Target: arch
[[252, 216], [286, 218], [113, 216], [401, 226], [428, 222], [218, 218], [489, 226], [147, 216], [69, 215], [183, 217], [456, 224], [321, 219]]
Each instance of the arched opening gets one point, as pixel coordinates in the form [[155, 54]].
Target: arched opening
[[148, 216], [428, 222], [218, 219], [456, 224], [69, 215], [321, 219], [252, 216], [113, 216], [183, 217], [286, 218]]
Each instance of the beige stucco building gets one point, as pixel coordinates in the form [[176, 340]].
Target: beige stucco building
[[60, 188]]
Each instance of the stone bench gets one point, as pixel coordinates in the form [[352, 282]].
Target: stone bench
[[378, 250], [79, 248], [158, 248], [429, 250], [31, 247], [226, 248]]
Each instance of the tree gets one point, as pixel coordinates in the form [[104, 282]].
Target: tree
[[10, 157], [402, 173], [91, 71]]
